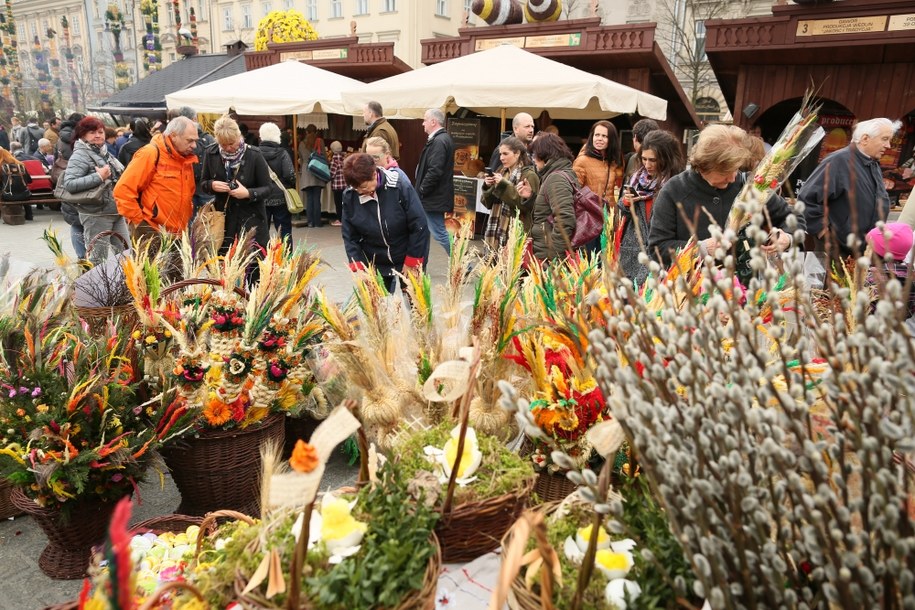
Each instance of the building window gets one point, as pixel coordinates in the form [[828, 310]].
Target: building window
[[441, 8], [21, 32], [336, 8], [467, 5], [74, 25], [362, 7], [700, 41], [34, 30], [288, 4], [266, 9], [227, 19], [311, 10], [390, 6], [247, 20]]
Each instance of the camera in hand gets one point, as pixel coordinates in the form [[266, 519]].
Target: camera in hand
[[233, 185]]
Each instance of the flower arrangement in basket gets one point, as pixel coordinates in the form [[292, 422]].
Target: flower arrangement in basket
[[233, 357], [477, 483], [389, 360], [344, 550], [70, 423], [565, 399]]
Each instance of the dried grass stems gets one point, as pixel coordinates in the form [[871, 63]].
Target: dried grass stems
[[768, 435]]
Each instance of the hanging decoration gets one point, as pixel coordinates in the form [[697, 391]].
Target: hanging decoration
[[152, 60], [114, 23], [11, 54], [193, 19], [54, 53], [40, 59], [68, 55], [4, 64]]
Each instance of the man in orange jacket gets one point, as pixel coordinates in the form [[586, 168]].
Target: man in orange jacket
[[157, 187]]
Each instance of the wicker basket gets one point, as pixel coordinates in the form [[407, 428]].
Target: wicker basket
[[553, 487], [157, 525], [69, 542], [423, 599], [7, 509], [519, 596], [300, 427], [221, 469], [473, 529]]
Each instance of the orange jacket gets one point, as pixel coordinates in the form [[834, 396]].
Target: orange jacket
[[157, 187], [593, 172]]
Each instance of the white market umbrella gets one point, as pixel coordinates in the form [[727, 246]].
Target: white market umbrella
[[289, 87], [505, 79]]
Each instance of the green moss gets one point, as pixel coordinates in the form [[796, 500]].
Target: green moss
[[501, 471]]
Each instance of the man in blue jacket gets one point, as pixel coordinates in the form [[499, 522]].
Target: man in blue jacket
[[845, 194], [435, 176]]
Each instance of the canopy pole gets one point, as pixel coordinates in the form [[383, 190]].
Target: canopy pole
[[502, 120], [295, 148]]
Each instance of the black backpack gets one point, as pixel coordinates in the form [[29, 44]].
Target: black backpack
[[203, 142], [15, 183], [35, 133]]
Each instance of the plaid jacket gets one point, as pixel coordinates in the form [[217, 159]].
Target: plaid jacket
[[337, 183]]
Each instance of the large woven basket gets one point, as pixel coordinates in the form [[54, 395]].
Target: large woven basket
[[7, 509], [473, 529], [69, 541], [221, 469], [519, 596]]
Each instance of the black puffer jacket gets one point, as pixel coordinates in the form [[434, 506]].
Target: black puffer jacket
[[278, 159], [435, 174]]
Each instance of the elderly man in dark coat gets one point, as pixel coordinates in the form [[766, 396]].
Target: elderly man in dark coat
[[435, 176], [845, 194]]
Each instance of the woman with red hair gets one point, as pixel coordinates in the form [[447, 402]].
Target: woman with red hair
[[92, 165]]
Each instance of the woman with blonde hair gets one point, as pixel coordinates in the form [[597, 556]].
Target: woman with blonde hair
[[706, 192], [238, 177]]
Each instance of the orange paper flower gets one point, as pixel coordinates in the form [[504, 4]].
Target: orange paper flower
[[304, 457], [217, 412]]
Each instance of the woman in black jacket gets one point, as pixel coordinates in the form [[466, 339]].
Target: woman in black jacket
[[383, 220], [238, 177], [279, 161], [140, 137]]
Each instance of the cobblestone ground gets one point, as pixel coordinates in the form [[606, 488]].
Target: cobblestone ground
[[22, 585]]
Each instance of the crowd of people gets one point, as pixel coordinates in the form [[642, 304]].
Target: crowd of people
[[146, 177]]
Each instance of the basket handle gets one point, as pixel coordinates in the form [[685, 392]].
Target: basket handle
[[531, 523], [210, 520], [200, 281], [91, 243], [156, 598]]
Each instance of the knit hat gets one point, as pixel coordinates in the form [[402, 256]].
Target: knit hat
[[336, 147], [898, 241]]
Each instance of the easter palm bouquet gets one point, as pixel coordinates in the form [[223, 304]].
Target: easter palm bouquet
[[71, 425], [223, 356]]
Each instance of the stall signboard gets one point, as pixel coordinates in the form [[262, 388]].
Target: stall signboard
[[468, 193], [838, 129], [465, 133]]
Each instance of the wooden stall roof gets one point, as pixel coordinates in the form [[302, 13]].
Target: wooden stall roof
[[627, 54], [346, 56], [829, 43]]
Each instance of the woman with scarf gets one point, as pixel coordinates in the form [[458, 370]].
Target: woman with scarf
[[90, 166], [660, 159], [500, 193], [238, 177], [599, 166], [383, 221]]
